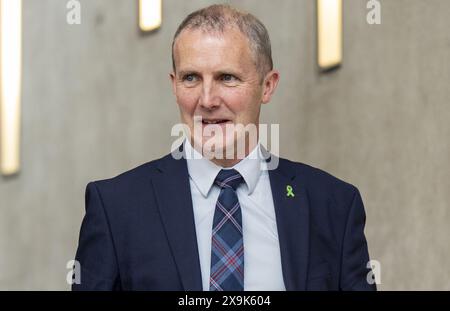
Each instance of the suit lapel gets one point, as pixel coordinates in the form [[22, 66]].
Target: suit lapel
[[292, 217], [174, 200], [172, 191]]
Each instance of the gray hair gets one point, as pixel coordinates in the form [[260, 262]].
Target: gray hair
[[220, 17]]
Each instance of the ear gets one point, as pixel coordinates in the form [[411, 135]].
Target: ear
[[173, 79], [269, 85]]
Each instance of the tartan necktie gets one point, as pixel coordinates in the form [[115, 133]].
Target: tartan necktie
[[227, 248]]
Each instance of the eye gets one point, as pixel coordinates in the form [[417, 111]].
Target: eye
[[228, 78], [190, 78]]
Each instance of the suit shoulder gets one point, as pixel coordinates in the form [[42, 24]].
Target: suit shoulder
[[130, 178], [320, 181]]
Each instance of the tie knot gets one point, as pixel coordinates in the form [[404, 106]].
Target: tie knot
[[228, 179]]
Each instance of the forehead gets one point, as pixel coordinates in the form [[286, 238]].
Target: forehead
[[212, 49]]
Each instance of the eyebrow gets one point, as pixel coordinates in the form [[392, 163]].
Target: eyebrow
[[229, 72], [186, 72], [220, 72]]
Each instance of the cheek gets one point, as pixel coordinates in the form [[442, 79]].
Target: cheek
[[242, 101], [236, 99], [187, 101]]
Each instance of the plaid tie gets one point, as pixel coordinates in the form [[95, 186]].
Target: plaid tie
[[227, 249]]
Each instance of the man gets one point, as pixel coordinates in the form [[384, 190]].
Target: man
[[214, 221]]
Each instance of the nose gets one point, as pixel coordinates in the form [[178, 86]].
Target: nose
[[208, 98]]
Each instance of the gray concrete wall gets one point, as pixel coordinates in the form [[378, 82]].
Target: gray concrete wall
[[97, 101]]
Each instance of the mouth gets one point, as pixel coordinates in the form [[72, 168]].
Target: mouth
[[215, 121]]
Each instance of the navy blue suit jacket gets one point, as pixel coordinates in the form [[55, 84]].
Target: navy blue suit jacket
[[139, 233]]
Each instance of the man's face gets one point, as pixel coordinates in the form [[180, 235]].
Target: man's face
[[216, 79]]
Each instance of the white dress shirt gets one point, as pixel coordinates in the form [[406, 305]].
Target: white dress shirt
[[262, 260]]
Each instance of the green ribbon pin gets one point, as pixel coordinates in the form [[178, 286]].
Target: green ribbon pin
[[289, 191]]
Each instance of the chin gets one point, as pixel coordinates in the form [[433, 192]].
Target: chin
[[216, 147]]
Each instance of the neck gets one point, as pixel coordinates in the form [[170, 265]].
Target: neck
[[226, 162]]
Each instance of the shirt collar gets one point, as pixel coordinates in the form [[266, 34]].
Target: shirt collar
[[203, 171]]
